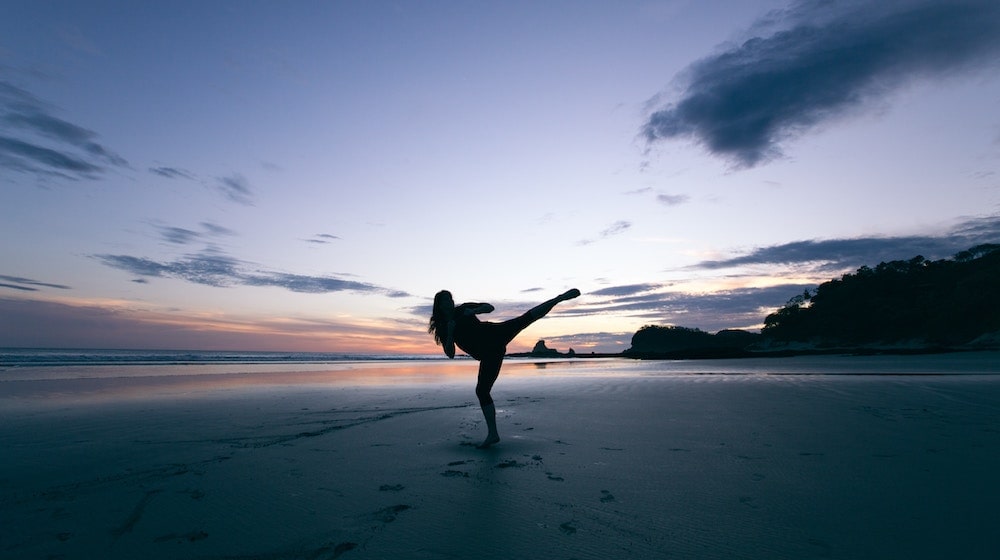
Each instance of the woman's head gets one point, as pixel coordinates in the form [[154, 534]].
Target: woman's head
[[444, 310]]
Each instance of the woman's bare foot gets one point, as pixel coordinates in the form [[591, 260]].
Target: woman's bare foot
[[490, 440], [570, 294]]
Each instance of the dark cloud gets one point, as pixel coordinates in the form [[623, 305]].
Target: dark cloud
[[59, 130], [308, 284], [322, 238], [848, 254], [136, 265], [819, 60], [628, 290], [216, 230], [34, 141], [184, 236], [27, 284], [236, 188], [171, 172], [179, 235], [23, 157], [213, 268], [18, 287]]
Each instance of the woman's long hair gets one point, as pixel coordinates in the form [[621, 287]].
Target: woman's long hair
[[444, 310]]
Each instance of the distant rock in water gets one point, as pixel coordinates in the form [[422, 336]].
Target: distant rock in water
[[542, 351]]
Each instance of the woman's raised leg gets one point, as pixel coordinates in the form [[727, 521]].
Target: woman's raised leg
[[543, 309]]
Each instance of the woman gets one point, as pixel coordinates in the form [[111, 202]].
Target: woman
[[485, 341]]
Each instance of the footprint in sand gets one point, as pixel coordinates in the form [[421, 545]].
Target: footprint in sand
[[388, 514], [450, 473]]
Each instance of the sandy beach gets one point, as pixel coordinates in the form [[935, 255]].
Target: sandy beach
[[604, 460]]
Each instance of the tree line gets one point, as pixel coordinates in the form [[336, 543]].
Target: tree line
[[948, 302], [919, 303]]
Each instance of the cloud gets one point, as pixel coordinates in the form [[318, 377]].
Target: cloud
[[236, 188], [841, 254], [178, 235], [36, 142], [171, 172], [213, 268], [614, 229], [184, 236], [672, 199], [216, 230], [819, 60], [627, 290], [643, 190], [322, 239], [27, 284]]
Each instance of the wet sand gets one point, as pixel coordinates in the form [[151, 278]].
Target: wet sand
[[589, 466]]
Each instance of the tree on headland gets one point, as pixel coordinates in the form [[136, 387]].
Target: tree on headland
[[912, 305], [652, 340], [917, 301]]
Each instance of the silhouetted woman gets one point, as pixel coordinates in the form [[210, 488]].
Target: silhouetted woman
[[485, 341]]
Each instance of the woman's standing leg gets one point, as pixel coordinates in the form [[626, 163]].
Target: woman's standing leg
[[489, 369]]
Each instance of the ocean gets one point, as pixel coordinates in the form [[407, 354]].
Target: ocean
[[55, 357], [50, 363]]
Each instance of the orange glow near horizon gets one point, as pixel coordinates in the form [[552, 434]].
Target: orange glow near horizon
[[122, 324]]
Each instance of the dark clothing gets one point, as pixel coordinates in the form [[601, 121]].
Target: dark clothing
[[486, 342], [484, 339]]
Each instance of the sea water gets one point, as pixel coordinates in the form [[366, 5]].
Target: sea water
[[26, 364]]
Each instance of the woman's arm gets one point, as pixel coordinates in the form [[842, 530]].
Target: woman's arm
[[449, 339], [477, 308]]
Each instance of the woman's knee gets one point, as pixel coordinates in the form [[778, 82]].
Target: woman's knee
[[483, 394]]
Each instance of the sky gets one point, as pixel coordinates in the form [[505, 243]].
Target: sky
[[305, 176]]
